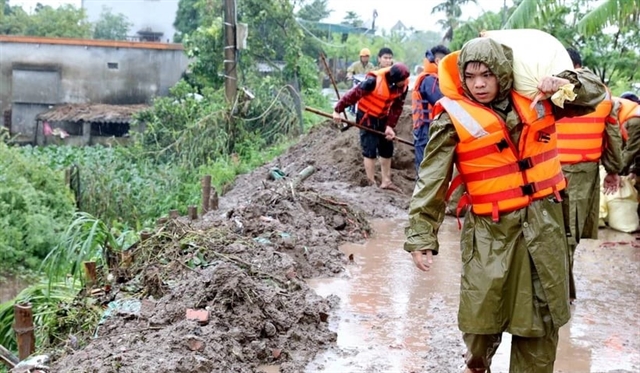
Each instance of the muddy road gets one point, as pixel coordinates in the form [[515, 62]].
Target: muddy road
[[393, 318], [314, 279]]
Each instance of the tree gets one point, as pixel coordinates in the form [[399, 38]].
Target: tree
[[612, 56], [111, 26], [472, 28], [315, 11], [611, 12], [414, 46], [452, 12], [352, 19], [188, 18], [14, 20], [64, 21]]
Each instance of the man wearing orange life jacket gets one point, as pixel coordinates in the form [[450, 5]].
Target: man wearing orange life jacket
[[628, 114], [513, 246], [424, 95], [583, 143], [380, 99]]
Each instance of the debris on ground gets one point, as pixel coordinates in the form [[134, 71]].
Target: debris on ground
[[337, 159], [226, 292]]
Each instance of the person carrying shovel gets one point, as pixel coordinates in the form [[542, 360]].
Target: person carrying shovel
[[380, 98]]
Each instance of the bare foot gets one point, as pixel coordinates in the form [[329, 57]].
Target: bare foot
[[390, 186]]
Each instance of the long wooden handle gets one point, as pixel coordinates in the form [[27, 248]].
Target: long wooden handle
[[333, 81], [354, 124]]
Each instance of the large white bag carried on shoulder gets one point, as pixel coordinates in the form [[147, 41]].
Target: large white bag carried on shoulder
[[536, 54]]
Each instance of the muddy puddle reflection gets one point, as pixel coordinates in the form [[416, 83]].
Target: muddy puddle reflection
[[393, 318]]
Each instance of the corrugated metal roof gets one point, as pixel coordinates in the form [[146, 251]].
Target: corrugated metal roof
[[333, 27]]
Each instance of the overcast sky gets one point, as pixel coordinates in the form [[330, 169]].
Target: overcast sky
[[413, 13]]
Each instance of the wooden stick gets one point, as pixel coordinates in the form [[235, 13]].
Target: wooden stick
[[24, 330], [333, 81], [354, 124], [193, 212], [90, 272], [206, 193], [213, 199], [6, 357]]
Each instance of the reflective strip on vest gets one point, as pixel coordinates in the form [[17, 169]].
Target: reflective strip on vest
[[463, 117]]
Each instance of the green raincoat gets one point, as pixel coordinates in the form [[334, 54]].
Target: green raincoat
[[512, 270], [582, 205], [631, 152]]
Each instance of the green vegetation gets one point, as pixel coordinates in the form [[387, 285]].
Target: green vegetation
[[34, 209]]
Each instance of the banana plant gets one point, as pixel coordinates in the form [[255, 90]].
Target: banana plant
[[610, 12]]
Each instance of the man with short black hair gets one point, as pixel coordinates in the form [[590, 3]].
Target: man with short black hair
[[380, 99], [575, 58], [514, 258], [385, 58]]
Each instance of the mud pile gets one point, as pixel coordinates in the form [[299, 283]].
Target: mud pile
[[337, 158], [306, 225], [242, 267], [257, 310]]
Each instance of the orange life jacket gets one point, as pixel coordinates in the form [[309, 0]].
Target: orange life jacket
[[429, 67], [378, 102], [420, 108], [500, 176], [580, 139], [628, 110]]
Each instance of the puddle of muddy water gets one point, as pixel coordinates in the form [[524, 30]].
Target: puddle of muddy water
[[393, 318]]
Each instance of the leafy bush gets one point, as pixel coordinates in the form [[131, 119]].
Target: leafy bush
[[35, 207]]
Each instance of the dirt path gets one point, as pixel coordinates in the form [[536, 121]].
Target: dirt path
[[393, 318]]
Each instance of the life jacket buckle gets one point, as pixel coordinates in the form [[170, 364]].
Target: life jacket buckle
[[525, 164], [502, 145], [543, 137], [528, 189]]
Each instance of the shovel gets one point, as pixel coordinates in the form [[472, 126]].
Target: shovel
[[354, 124]]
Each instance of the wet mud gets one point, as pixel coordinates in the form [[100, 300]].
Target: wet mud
[[243, 265], [394, 318]]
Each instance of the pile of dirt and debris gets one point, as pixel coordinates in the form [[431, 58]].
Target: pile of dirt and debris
[[203, 300], [337, 158], [225, 292]]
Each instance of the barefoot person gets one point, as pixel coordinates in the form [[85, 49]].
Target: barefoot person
[[514, 252], [380, 99]]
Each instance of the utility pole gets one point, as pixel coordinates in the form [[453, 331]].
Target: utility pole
[[230, 63]]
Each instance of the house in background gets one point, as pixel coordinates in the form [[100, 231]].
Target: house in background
[[39, 74], [152, 19]]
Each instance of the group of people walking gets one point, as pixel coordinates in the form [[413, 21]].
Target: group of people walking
[[529, 173]]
